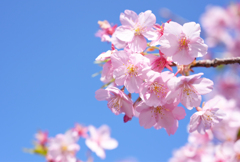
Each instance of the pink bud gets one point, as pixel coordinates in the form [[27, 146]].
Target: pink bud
[[126, 119]]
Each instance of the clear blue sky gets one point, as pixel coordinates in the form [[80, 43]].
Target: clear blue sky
[[47, 49]]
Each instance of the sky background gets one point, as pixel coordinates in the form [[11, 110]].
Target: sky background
[[47, 50]]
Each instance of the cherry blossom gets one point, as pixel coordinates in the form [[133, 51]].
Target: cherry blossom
[[165, 116], [159, 63], [227, 129], [134, 29], [63, 147], [188, 89], [106, 31], [128, 70], [100, 140], [159, 32], [215, 21], [81, 130], [154, 90], [183, 43], [206, 117], [42, 137], [118, 101]]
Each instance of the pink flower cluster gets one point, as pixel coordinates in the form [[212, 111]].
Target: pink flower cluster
[[63, 147], [222, 27], [129, 68], [202, 146]]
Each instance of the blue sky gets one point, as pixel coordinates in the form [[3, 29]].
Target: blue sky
[[47, 50]]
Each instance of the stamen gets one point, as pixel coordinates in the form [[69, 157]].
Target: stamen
[[183, 43], [132, 70], [115, 103], [158, 89]]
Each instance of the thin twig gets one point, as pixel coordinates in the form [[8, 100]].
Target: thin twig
[[214, 63]]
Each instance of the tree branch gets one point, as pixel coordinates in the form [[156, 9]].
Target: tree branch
[[214, 63]]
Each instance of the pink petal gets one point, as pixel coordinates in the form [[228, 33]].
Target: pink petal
[[182, 57], [132, 83], [166, 75], [167, 120], [169, 44], [93, 132], [172, 28], [178, 113], [102, 94], [202, 127], [147, 19], [141, 106], [171, 130], [109, 144], [114, 90], [119, 75], [124, 34], [127, 108], [138, 44], [117, 42], [191, 29], [92, 145], [128, 18], [119, 58], [237, 147], [150, 35], [147, 119], [194, 122], [197, 48], [212, 103], [191, 100], [104, 130], [100, 153], [107, 72], [203, 85]]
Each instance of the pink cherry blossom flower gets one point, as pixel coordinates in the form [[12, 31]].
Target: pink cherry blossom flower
[[215, 22], [233, 12], [188, 89], [206, 117], [154, 90], [159, 63], [236, 149], [128, 70], [159, 31], [228, 85], [165, 116], [182, 43], [118, 101], [224, 152], [107, 72], [106, 31], [100, 140], [200, 139], [63, 147], [227, 129], [42, 137], [104, 56], [81, 130], [134, 29]]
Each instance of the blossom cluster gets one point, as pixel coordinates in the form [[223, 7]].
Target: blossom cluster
[[221, 142], [203, 147], [222, 27], [132, 67], [63, 147], [222, 31]]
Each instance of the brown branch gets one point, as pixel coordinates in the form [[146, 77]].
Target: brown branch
[[214, 63], [137, 100]]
